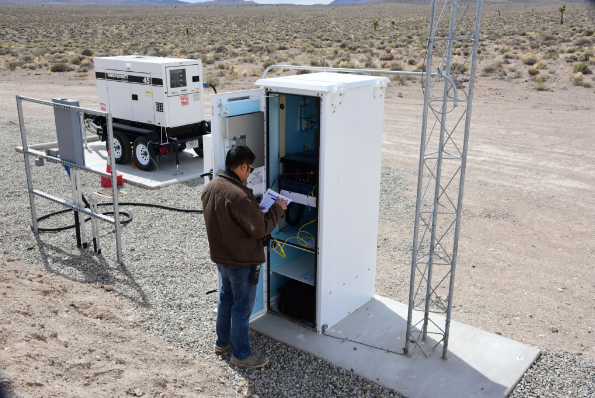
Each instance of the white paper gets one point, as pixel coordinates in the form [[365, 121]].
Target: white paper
[[269, 198]]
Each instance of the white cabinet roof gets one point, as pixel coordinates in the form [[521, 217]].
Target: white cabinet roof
[[324, 81]]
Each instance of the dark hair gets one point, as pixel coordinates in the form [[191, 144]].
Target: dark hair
[[238, 155]]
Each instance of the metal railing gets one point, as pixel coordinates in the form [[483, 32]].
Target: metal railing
[[368, 71], [77, 203]]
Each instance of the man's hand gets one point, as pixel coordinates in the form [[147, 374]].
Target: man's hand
[[282, 203]]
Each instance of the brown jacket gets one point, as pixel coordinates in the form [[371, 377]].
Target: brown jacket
[[235, 224]]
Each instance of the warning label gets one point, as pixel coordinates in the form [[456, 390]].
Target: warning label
[[103, 107], [184, 99]]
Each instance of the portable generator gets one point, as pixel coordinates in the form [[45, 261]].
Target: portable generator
[[156, 104]]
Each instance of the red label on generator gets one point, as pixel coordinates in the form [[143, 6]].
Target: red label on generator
[[184, 99], [103, 107]]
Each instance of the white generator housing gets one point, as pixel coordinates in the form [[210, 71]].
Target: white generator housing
[[165, 92], [318, 139]]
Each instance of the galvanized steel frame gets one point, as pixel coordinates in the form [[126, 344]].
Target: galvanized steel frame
[[443, 157], [76, 204]]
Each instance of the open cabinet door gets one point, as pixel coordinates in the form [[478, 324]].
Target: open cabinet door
[[239, 118]]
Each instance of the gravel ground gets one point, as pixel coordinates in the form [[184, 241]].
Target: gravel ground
[[167, 272]]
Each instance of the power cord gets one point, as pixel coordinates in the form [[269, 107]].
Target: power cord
[[303, 242], [123, 222]]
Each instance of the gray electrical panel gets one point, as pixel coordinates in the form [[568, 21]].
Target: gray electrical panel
[[247, 130], [70, 134]]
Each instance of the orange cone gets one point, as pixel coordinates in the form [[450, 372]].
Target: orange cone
[[106, 182]]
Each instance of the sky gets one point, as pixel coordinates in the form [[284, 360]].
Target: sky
[[300, 2]]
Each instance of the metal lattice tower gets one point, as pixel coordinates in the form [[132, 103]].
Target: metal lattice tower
[[452, 49]]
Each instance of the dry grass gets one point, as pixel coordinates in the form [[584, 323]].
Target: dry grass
[[238, 43]]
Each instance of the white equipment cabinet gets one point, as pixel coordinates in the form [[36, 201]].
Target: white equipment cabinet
[[165, 92], [318, 139]]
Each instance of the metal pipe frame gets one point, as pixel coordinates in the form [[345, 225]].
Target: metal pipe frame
[[437, 214], [75, 169], [368, 71]]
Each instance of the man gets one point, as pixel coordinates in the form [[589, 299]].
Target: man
[[235, 228]]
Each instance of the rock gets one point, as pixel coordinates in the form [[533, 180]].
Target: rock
[[553, 329], [276, 392], [108, 288], [138, 392], [252, 377], [246, 391]]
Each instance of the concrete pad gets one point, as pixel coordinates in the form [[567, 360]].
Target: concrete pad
[[480, 364], [190, 164], [96, 158]]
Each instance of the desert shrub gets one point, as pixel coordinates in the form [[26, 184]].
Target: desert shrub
[[542, 87], [76, 61], [533, 71], [400, 79], [61, 67], [587, 56], [541, 65], [249, 60], [411, 61], [245, 73], [208, 61], [222, 73], [577, 79], [518, 74], [551, 71], [212, 80], [87, 52], [395, 66], [369, 63], [86, 63], [14, 65], [268, 63], [314, 62], [509, 55], [346, 63], [498, 63], [552, 55], [488, 70], [221, 66], [220, 49], [26, 58], [530, 59], [512, 69], [582, 42], [572, 58], [581, 67], [571, 50], [387, 57]]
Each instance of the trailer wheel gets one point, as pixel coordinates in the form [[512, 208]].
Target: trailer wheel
[[144, 154], [122, 148]]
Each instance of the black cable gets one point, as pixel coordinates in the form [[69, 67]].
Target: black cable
[[123, 222], [364, 344]]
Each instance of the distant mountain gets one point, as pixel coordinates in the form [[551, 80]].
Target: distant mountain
[[360, 2], [96, 2], [128, 2], [225, 3]]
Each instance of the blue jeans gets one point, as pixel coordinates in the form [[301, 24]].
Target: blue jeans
[[236, 301]]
